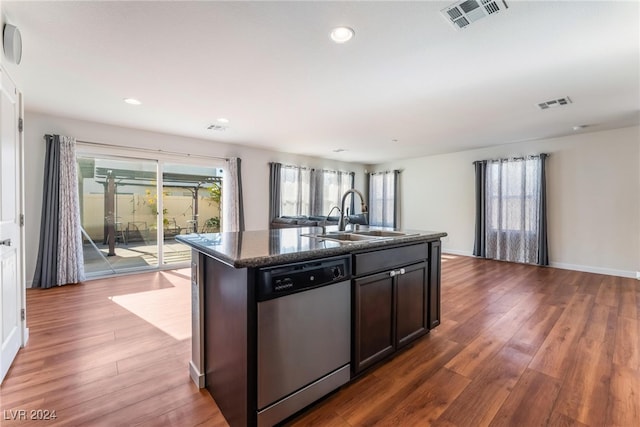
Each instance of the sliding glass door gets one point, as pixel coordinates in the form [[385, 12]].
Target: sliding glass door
[[118, 214], [132, 209], [191, 204]]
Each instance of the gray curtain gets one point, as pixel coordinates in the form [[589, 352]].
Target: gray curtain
[[480, 244], [45, 275], [511, 210], [240, 196], [60, 257], [274, 190], [352, 180], [543, 248], [316, 191], [396, 197]]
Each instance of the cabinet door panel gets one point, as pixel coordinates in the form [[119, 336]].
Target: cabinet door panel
[[412, 303], [374, 329]]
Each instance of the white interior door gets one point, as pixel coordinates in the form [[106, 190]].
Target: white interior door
[[11, 286]]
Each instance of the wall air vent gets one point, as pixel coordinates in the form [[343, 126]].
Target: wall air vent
[[554, 103], [219, 128], [463, 13]]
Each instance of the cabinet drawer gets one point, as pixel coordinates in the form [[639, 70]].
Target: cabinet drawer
[[370, 262]]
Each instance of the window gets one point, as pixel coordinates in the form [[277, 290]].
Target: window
[[382, 199], [300, 191], [513, 193], [510, 210], [334, 185], [295, 191]]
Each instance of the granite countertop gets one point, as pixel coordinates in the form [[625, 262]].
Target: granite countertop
[[279, 246]]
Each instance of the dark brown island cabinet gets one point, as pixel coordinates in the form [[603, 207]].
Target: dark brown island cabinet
[[266, 350], [396, 299]]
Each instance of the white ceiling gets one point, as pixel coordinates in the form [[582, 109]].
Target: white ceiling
[[271, 69]]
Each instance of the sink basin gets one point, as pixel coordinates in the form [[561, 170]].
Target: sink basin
[[344, 237], [358, 236], [380, 233]]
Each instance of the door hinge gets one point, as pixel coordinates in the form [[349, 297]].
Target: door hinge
[[22, 316], [21, 220], [20, 124]]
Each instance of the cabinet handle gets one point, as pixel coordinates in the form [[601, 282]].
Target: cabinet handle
[[393, 273], [6, 242]]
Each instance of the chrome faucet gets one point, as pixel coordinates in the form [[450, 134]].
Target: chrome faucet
[[342, 224]]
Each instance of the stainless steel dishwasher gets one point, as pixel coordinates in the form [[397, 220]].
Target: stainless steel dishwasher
[[304, 334]]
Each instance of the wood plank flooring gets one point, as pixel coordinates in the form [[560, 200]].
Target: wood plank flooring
[[518, 346]]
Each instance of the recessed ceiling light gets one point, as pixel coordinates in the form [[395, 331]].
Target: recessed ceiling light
[[223, 120], [342, 34], [580, 127], [132, 101]]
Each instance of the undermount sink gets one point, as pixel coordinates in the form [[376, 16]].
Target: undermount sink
[[358, 236], [381, 233], [342, 237]]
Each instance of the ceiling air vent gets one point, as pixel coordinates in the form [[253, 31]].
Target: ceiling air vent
[[554, 103], [463, 13], [219, 128]]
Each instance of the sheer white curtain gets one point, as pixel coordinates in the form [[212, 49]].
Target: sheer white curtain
[[71, 257], [295, 191], [383, 189], [515, 221], [334, 184], [232, 202]]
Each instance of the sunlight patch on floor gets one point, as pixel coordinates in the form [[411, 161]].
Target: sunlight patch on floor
[[167, 309]]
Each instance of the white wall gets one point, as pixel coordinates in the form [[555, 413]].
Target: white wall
[[593, 189], [255, 166]]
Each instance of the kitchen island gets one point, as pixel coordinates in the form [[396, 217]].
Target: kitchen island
[[282, 317]]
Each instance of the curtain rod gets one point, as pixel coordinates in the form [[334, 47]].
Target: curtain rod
[[306, 168], [148, 150], [383, 172], [533, 156]]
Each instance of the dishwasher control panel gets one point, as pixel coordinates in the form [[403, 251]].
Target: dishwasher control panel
[[281, 280]]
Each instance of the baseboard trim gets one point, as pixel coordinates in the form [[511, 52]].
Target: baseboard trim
[[565, 266], [25, 336], [196, 376], [597, 270], [456, 252]]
